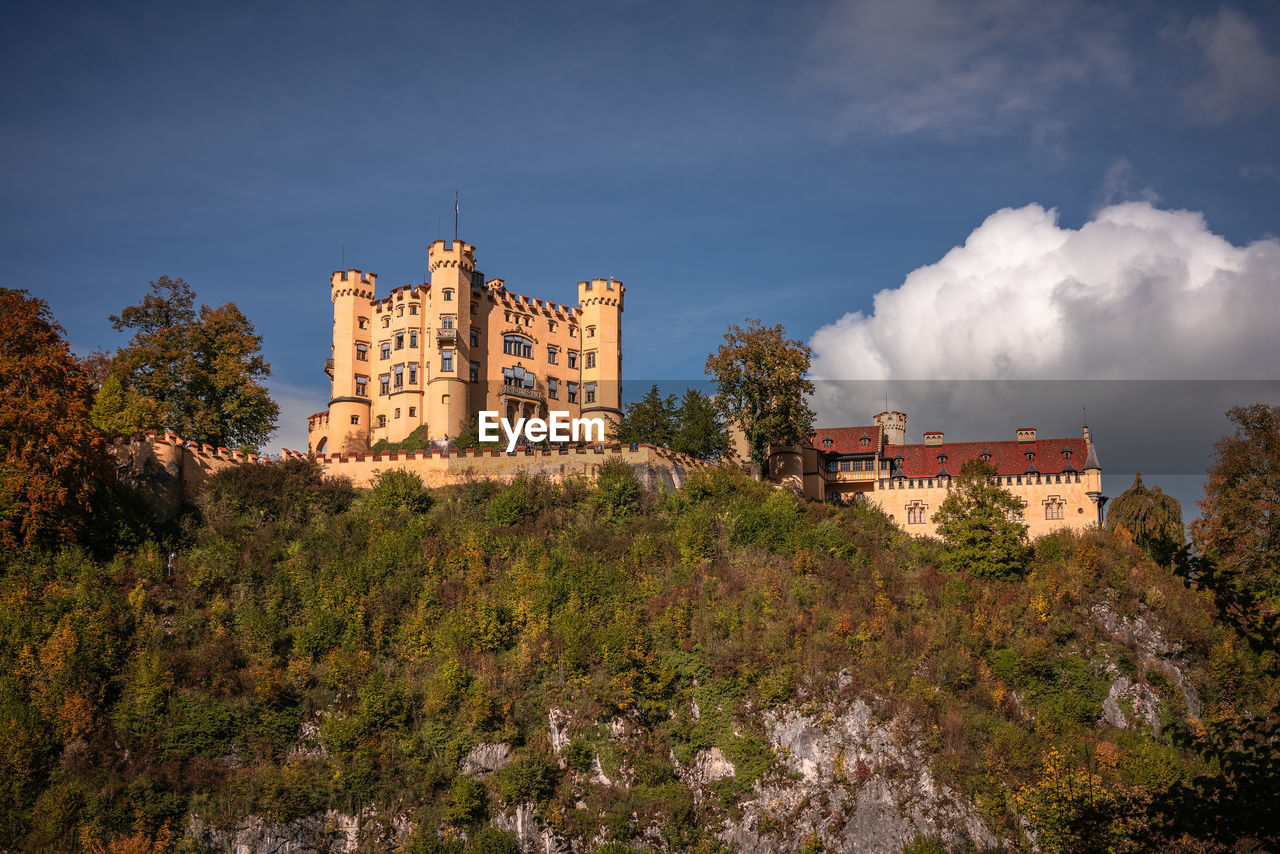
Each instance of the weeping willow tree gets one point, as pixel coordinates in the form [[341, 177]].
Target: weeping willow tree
[[1153, 519]]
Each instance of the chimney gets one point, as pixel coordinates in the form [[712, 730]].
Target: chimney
[[1026, 434], [933, 437]]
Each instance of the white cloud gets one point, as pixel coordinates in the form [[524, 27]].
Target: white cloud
[[1118, 185], [1135, 293], [1242, 77], [903, 66]]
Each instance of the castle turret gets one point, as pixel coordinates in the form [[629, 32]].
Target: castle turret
[[893, 427], [349, 400], [452, 266], [601, 301]]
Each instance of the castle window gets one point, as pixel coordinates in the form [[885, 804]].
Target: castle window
[[446, 361], [591, 332], [1030, 455], [382, 421], [362, 322], [413, 309], [413, 412], [573, 392], [399, 340], [986, 457], [446, 322], [553, 388], [362, 352], [846, 465], [591, 359], [573, 359], [916, 514], [473, 374], [826, 442], [397, 412], [355, 419], [447, 295], [475, 337], [517, 345], [573, 332], [1066, 454], [362, 386], [590, 391], [386, 349], [413, 375], [866, 441], [384, 384], [386, 321], [398, 370], [413, 338], [551, 326], [552, 354], [1054, 507], [444, 400], [473, 308]]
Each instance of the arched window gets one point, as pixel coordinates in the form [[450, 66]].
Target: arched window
[[517, 345]]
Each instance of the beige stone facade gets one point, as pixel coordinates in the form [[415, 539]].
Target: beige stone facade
[[438, 353], [1058, 480]]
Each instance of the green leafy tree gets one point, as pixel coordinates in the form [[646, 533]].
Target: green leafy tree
[[203, 369], [1153, 519], [650, 419], [53, 458], [761, 386], [700, 430], [118, 411], [982, 525], [1238, 531]]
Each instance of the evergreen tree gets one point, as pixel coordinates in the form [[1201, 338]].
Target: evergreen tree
[[123, 412], [53, 458], [202, 369], [982, 525], [700, 430], [650, 419], [761, 386], [1153, 519]]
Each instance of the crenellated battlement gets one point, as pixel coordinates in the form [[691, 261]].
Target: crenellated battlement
[[601, 292], [353, 283], [456, 254]]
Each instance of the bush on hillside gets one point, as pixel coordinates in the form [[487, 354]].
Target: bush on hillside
[[294, 490], [397, 489]]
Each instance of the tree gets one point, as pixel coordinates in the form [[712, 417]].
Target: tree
[[650, 419], [982, 525], [1238, 531], [700, 430], [53, 458], [761, 386], [202, 369], [123, 412], [1153, 519]]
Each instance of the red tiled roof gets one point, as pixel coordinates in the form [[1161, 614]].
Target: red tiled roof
[[846, 440], [1009, 457]]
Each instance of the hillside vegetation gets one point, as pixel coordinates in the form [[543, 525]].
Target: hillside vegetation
[[307, 648]]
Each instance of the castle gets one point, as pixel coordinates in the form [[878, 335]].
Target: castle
[[1058, 480], [438, 353]]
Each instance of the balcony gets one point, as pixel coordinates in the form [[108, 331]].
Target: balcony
[[328, 367], [447, 335], [537, 393]]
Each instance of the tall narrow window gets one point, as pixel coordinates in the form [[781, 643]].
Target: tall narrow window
[[573, 358], [399, 340], [591, 359], [553, 388], [475, 337], [446, 361], [386, 349], [591, 332], [362, 352], [397, 412], [573, 392], [362, 386], [384, 384], [413, 338], [589, 392], [382, 421], [448, 295], [398, 370], [413, 309], [413, 375], [552, 354], [474, 372]]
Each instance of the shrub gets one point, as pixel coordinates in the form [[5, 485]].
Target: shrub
[[294, 490], [696, 535], [617, 490], [514, 502], [467, 803], [530, 779], [490, 840], [397, 489]]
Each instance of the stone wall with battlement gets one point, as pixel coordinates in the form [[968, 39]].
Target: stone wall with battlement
[[172, 471]]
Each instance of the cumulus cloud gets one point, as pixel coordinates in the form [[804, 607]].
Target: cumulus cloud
[[1151, 309], [902, 66], [1242, 77]]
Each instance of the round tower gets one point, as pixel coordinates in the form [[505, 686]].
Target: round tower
[[447, 403], [893, 427], [600, 325], [349, 401]]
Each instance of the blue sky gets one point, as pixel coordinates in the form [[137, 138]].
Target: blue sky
[[783, 161]]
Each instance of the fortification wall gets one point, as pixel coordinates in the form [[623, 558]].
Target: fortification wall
[[171, 471]]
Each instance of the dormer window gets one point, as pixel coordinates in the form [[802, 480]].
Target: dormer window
[[986, 456], [1030, 455], [866, 440], [826, 443], [942, 458], [1066, 453]]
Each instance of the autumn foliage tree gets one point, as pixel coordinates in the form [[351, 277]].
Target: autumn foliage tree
[[53, 458], [1238, 532], [201, 369], [761, 386]]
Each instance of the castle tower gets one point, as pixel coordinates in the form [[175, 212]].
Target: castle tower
[[601, 330], [350, 401], [448, 327], [893, 427]]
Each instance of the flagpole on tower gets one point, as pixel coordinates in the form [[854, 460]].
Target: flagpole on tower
[[455, 216]]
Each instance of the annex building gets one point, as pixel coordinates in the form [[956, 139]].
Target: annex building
[[438, 353], [1058, 480]]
